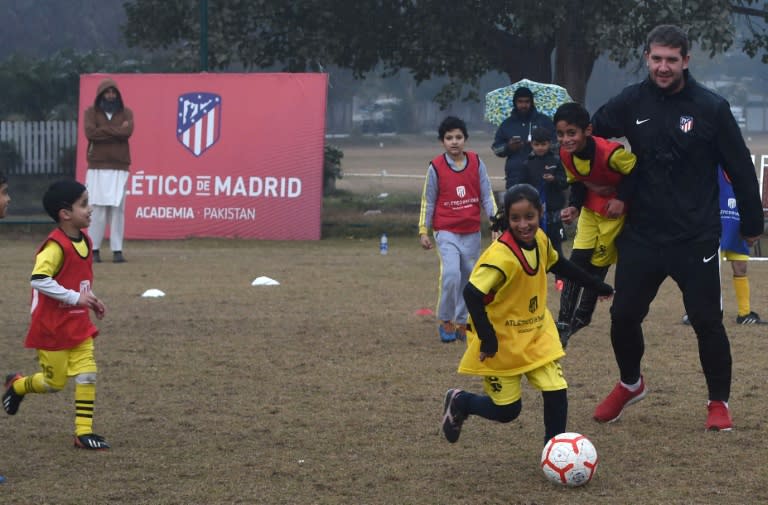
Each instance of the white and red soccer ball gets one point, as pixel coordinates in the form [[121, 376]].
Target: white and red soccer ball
[[569, 459]]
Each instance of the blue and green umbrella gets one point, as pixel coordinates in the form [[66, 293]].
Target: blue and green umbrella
[[546, 97]]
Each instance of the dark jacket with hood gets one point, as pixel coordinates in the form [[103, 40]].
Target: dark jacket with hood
[[552, 192], [108, 136], [679, 140], [517, 125]]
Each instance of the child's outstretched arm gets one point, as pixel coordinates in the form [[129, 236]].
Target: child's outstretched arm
[[474, 298], [570, 270]]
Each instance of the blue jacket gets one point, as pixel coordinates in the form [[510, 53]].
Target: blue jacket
[[521, 127]]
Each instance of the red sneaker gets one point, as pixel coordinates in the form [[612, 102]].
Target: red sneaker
[[718, 417], [614, 404]]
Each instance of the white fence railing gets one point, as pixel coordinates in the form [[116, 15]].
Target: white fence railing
[[42, 145]]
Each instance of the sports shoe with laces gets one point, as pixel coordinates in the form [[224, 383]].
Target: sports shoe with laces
[[614, 404], [91, 441], [447, 332], [461, 332], [452, 417], [96, 256], [751, 318], [718, 417], [11, 399]]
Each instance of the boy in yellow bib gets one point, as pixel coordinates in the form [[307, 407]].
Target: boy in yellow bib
[[511, 332], [596, 169]]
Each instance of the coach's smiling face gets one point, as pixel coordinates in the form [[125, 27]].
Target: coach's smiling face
[[666, 66]]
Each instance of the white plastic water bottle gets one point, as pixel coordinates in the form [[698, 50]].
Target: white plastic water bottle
[[384, 244]]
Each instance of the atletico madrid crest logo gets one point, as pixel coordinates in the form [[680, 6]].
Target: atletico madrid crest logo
[[686, 124], [533, 304], [198, 122]]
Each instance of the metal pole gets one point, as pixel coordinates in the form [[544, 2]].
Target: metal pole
[[203, 35]]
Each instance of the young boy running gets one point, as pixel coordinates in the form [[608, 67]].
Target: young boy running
[[60, 328], [595, 167]]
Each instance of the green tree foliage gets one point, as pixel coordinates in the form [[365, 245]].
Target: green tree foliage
[[461, 41], [332, 156], [38, 28], [46, 89], [32, 88]]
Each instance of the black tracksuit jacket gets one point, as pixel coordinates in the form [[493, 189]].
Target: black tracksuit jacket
[[679, 141]]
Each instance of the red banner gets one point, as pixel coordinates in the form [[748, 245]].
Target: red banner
[[220, 155]]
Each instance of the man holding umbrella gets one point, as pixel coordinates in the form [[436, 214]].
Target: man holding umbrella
[[513, 138]]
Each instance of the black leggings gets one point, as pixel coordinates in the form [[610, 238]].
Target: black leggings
[[555, 410]]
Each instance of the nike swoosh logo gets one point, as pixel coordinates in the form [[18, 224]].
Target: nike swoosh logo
[[707, 260], [641, 121]]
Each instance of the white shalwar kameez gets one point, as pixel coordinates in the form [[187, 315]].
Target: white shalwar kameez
[[106, 193]]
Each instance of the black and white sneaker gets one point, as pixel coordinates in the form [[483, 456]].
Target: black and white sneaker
[[11, 399], [751, 318], [452, 417], [91, 441]]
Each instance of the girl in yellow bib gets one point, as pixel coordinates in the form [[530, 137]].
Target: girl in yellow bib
[[511, 332]]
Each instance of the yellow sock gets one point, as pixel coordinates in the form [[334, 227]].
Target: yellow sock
[[85, 398], [741, 287], [30, 384]]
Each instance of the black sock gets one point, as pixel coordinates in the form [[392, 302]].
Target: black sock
[[555, 412]]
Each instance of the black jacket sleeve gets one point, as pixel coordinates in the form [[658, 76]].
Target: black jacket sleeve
[[570, 270], [737, 162], [627, 185], [608, 121]]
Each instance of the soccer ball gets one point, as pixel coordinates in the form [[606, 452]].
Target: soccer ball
[[569, 459]]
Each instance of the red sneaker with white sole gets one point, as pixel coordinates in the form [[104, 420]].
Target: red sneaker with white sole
[[718, 417], [611, 408]]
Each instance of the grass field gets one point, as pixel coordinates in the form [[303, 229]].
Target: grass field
[[328, 388]]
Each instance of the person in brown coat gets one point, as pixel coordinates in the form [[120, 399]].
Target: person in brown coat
[[108, 126]]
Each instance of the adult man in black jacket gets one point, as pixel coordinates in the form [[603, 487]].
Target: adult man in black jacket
[[680, 132]]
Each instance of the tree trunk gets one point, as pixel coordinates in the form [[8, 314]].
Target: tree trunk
[[574, 59]]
